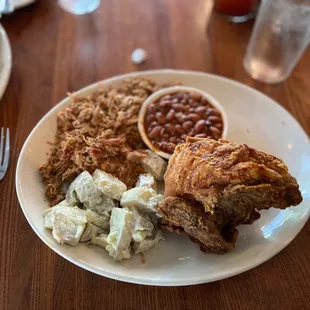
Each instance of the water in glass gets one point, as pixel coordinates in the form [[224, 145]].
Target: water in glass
[[280, 36]]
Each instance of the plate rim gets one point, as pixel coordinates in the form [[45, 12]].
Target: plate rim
[[5, 72], [22, 3], [157, 282]]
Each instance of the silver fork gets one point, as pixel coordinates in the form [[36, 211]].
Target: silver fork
[[4, 151]]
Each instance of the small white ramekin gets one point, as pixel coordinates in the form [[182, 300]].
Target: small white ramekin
[[171, 90]]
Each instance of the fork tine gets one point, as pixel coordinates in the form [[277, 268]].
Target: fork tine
[[1, 145], [6, 150]]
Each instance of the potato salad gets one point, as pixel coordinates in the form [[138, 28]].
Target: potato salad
[[99, 210]]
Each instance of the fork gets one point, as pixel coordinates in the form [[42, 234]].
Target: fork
[[4, 151]]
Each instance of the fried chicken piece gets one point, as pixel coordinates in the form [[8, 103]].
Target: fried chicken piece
[[214, 186]]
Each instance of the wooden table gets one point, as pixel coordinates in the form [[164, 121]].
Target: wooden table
[[55, 52]]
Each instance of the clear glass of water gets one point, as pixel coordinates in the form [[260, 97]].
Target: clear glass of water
[[79, 7], [280, 36]]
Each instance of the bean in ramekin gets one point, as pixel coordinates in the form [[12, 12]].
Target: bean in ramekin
[[172, 117]]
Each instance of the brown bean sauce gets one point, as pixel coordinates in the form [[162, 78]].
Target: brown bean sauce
[[170, 119]]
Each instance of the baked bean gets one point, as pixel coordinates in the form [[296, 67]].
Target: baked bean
[[160, 118], [180, 117], [151, 108], [196, 104], [179, 95], [170, 129], [218, 126], [193, 117], [200, 126], [192, 132], [213, 112], [179, 129], [215, 132], [195, 96], [173, 140], [186, 108], [150, 118], [201, 110], [153, 124], [164, 103], [170, 115], [208, 123], [176, 116], [177, 106], [214, 119], [187, 125], [155, 132], [186, 96], [201, 135], [167, 97], [161, 145], [207, 131], [170, 147], [204, 101], [166, 147]]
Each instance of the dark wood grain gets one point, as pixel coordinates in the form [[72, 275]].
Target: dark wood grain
[[55, 52]]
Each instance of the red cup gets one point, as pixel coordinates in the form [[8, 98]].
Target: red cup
[[241, 10]]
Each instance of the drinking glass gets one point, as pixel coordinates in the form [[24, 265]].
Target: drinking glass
[[280, 36], [79, 7], [237, 11]]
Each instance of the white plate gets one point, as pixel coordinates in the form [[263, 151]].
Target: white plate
[[254, 119], [5, 60], [21, 3]]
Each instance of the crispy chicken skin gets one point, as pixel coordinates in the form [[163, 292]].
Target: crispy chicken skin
[[213, 186]]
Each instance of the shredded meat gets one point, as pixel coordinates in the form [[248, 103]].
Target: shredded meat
[[98, 131]]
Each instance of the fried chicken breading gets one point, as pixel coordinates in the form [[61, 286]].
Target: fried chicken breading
[[214, 186]]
